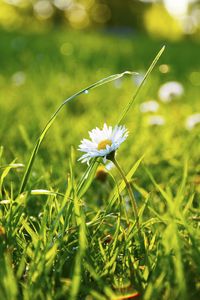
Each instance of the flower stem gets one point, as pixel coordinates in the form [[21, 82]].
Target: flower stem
[[130, 192]]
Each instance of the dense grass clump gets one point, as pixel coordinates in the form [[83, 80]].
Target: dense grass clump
[[68, 230]]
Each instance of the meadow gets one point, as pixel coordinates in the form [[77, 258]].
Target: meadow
[[71, 233]]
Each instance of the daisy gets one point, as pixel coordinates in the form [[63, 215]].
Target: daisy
[[192, 121], [18, 78], [149, 106], [170, 90], [103, 142], [156, 120], [138, 78]]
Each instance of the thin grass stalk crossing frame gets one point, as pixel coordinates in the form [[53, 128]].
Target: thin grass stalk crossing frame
[[150, 69]]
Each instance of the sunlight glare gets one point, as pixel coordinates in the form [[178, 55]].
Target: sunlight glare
[[177, 8]]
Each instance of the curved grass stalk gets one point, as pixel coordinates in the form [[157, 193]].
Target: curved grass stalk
[[52, 119]]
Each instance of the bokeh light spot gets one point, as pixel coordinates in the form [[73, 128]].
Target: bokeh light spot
[[164, 68], [77, 16], [101, 13], [63, 4], [43, 9]]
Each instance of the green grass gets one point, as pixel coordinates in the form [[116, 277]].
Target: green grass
[[66, 236]]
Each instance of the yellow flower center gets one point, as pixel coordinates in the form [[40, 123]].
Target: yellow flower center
[[102, 145]]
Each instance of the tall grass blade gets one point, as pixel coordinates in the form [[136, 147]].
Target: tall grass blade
[[128, 106], [80, 220], [8, 286]]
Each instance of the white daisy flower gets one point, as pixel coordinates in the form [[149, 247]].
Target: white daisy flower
[[18, 78], [170, 90], [103, 142], [192, 121], [156, 120], [149, 106], [138, 78]]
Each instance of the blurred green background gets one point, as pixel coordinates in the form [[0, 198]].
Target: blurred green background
[[51, 49], [167, 18]]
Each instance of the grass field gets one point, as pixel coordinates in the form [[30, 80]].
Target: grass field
[[72, 234]]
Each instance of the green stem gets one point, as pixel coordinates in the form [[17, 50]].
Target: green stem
[[130, 192]]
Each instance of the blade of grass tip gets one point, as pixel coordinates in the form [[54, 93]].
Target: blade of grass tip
[[46, 192], [122, 185], [87, 179], [53, 117], [150, 69], [4, 174], [165, 195]]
